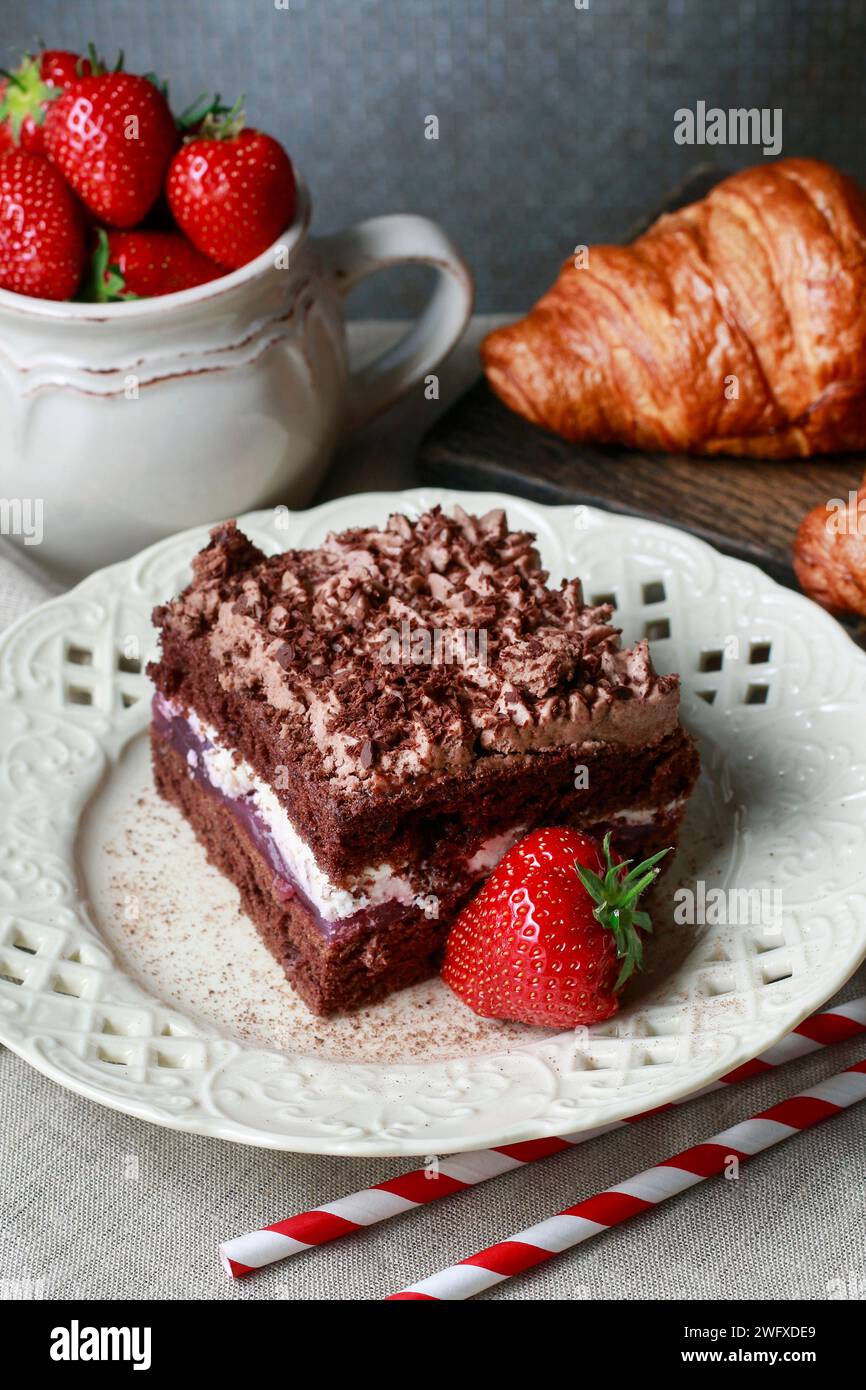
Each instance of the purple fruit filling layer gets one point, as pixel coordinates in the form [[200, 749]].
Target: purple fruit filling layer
[[176, 731]]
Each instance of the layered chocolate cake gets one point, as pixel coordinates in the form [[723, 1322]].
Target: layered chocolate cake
[[358, 733]]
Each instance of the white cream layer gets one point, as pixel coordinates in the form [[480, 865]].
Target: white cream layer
[[379, 883], [646, 817], [235, 778]]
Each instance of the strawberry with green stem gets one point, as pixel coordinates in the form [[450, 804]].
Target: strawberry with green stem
[[27, 91], [144, 264], [554, 934], [230, 188]]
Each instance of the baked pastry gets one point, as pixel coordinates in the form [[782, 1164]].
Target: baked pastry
[[830, 554], [355, 780], [736, 325]]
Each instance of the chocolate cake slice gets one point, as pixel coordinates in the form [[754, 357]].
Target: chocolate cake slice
[[358, 733]]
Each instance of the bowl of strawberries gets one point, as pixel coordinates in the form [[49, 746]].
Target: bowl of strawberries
[[173, 338]]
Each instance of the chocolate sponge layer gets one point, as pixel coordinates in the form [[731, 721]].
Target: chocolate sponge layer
[[436, 817], [329, 977], [366, 963]]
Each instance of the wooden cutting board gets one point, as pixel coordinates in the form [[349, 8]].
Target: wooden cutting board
[[750, 509], [746, 508]]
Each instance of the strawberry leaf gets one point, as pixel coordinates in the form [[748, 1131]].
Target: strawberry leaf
[[26, 95], [223, 123], [597, 890], [105, 283], [203, 106], [98, 65], [615, 897]]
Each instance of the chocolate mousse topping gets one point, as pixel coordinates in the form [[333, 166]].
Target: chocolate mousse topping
[[419, 647]]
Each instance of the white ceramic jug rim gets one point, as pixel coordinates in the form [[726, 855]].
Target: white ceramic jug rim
[[73, 310]]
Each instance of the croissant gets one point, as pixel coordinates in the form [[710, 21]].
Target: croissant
[[736, 325], [830, 554]]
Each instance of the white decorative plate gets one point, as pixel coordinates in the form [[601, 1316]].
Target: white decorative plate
[[128, 974]]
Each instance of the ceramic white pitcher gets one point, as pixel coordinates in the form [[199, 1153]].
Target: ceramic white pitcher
[[122, 423]]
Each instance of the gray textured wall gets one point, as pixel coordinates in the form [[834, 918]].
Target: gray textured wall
[[555, 124]]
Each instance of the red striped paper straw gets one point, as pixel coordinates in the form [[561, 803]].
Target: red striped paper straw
[[248, 1253], [576, 1224]]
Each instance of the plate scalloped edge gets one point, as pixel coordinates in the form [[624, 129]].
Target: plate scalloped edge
[[772, 686]]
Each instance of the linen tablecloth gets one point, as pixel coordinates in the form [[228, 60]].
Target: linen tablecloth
[[94, 1204]]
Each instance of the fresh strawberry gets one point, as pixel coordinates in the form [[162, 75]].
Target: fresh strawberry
[[231, 189], [554, 933], [41, 229], [143, 264], [112, 136], [26, 93]]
